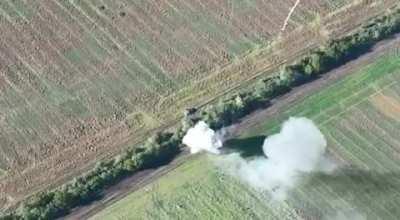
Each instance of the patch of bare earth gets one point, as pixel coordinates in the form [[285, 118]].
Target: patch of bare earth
[[389, 106]]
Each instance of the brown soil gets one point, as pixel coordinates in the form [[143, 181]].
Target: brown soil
[[387, 105]]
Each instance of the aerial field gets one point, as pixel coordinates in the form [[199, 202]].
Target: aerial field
[[82, 80], [360, 118]]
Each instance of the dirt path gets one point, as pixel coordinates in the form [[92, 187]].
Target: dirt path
[[126, 186], [142, 178]]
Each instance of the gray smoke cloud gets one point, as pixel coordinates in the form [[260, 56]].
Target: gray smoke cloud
[[297, 149]]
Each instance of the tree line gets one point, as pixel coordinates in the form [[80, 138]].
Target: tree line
[[318, 61], [164, 146]]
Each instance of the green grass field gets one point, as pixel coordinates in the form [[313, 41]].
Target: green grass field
[[360, 117]]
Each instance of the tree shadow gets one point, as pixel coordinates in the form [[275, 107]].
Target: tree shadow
[[246, 147]]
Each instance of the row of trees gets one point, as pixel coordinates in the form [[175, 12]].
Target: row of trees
[[333, 54], [163, 147], [158, 150]]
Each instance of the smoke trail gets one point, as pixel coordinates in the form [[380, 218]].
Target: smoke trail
[[297, 149], [202, 138]]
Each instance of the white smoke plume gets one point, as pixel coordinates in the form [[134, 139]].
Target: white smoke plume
[[202, 138], [297, 149]]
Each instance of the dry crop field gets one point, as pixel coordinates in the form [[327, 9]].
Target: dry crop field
[[81, 80]]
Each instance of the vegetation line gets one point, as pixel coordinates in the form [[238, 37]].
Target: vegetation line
[[164, 146]]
